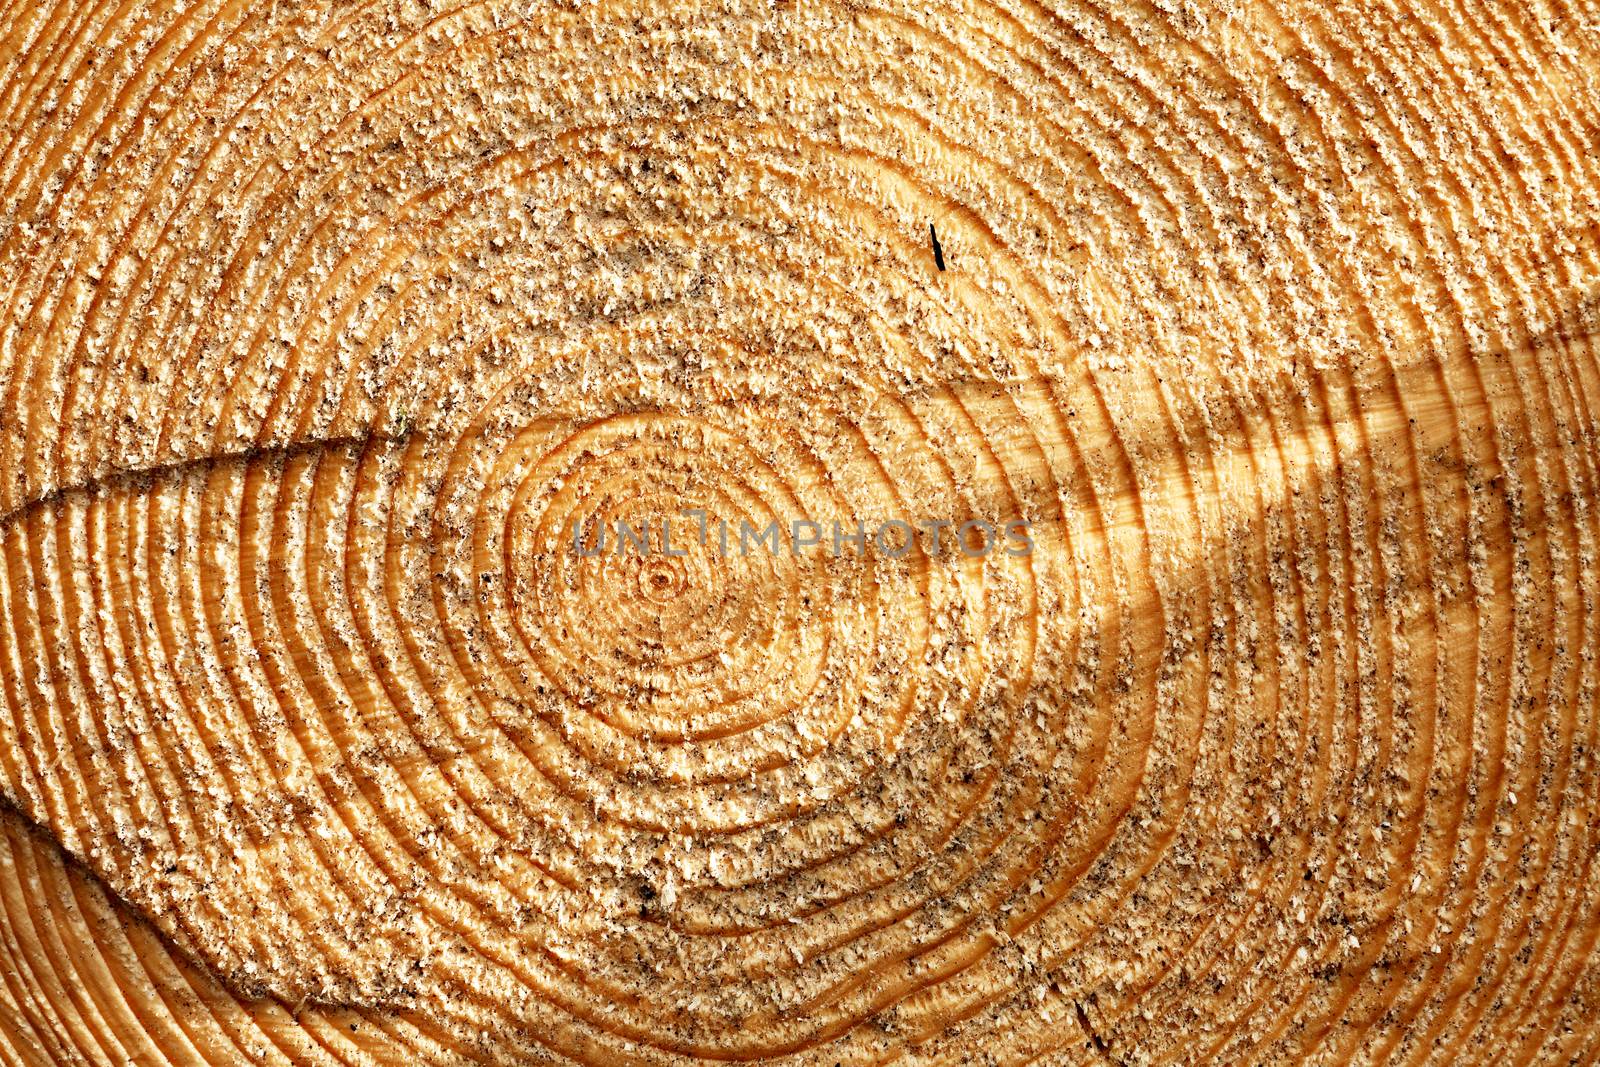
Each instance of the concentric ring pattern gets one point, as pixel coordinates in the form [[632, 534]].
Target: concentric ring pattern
[[334, 335]]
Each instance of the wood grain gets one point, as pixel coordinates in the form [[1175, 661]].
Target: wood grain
[[325, 327]]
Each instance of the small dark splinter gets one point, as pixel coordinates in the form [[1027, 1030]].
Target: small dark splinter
[[1083, 1020], [938, 253]]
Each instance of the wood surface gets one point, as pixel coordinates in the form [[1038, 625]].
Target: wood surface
[[325, 325]]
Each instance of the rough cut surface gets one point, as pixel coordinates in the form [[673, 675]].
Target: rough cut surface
[[324, 324]]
